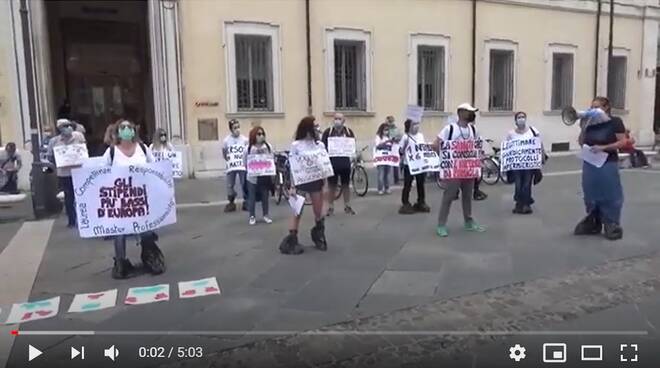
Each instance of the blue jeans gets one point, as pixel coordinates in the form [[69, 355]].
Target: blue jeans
[[231, 183], [384, 177], [603, 193], [66, 185], [523, 187], [263, 191]]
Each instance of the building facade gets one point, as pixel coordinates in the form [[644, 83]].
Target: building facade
[[191, 65]]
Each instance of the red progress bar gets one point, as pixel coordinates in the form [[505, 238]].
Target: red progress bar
[[14, 332]]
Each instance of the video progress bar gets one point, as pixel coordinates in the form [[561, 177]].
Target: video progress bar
[[330, 333]]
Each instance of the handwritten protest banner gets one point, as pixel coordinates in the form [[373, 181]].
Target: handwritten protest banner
[[309, 166], [414, 113], [387, 157], [93, 301], [341, 146], [422, 158], [70, 155], [174, 157], [521, 154], [118, 200], [236, 157], [461, 159], [262, 164], [26, 312]]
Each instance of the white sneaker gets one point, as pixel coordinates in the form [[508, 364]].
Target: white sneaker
[[388, 191], [268, 220], [380, 192], [253, 221]]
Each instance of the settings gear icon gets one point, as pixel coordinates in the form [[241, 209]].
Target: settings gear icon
[[517, 353]]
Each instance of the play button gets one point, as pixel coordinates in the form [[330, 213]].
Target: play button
[[33, 353]]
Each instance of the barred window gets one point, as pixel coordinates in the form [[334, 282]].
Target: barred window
[[254, 75], [350, 75], [431, 77], [562, 81], [501, 80], [616, 82]]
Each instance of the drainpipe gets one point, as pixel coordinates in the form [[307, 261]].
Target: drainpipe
[[598, 13], [474, 50], [309, 59], [609, 45], [29, 76]]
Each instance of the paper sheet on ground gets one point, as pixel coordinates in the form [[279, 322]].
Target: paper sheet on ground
[[26, 312], [93, 301], [296, 202], [148, 294], [597, 159], [203, 287]]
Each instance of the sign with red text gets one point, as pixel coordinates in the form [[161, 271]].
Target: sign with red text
[[387, 157], [121, 200], [203, 287], [262, 164], [93, 301], [147, 294], [422, 158], [26, 312], [460, 159]]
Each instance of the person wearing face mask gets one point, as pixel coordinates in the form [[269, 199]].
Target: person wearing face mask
[[67, 136], [127, 150], [234, 143], [340, 165], [412, 136], [258, 186], [522, 179], [601, 186], [160, 143], [10, 165], [383, 141], [462, 130], [396, 136]]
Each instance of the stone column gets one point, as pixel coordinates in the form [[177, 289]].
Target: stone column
[[646, 75]]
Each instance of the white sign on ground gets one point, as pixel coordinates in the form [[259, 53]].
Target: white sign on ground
[[196, 288], [148, 294], [341, 146], [26, 312], [70, 155], [93, 301]]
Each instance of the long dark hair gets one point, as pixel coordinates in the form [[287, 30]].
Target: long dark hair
[[406, 125], [381, 128], [306, 128], [253, 134]]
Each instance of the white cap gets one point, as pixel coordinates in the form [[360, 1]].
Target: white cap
[[61, 122], [466, 106]]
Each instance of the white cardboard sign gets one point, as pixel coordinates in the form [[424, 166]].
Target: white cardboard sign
[[415, 113], [422, 158], [521, 154], [236, 157], [174, 157], [309, 166], [387, 157], [197, 288], [461, 159], [70, 155], [148, 294], [93, 301], [341, 146], [262, 164], [26, 312]]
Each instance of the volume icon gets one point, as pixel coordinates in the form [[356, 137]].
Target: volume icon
[[111, 353], [78, 353]]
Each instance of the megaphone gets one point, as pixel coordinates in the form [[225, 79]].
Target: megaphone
[[588, 117], [111, 353]]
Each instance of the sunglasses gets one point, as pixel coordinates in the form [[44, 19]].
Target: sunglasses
[[261, 134]]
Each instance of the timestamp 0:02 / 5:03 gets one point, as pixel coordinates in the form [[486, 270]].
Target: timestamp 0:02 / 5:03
[[162, 352]]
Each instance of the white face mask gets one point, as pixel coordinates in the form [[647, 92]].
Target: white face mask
[[520, 122], [338, 123], [414, 129]]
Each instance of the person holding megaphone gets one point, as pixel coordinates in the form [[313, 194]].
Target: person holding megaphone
[[603, 134]]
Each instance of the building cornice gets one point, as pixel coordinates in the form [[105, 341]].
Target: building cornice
[[586, 6]]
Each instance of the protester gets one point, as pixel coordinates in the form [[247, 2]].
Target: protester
[[412, 136], [462, 130], [160, 142], [306, 140], [637, 156], [46, 136], [603, 193], [234, 143], [258, 186], [128, 150], [67, 136], [396, 136], [10, 165], [522, 179], [384, 142], [340, 165]]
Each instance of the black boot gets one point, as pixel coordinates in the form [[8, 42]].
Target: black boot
[[318, 235], [421, 207], [479, 195], [289, 244], [231, 206], [244, 207], [517, 209], [613, 231], [590, 225], [406, 209], [152, 258], [122, 269]]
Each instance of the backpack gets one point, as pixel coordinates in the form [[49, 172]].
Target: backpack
[[451, 131], [112, 151]]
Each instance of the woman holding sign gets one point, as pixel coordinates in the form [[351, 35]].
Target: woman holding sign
[[523, 178], [411, 138], [128, 150], [160, 142], [603, 135], [305, 146], [233, 151], [258, 185], [340, 134], [383, 142]]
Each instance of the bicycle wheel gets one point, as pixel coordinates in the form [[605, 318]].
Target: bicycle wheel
[[490, 171], [338, 191], [439, 182], [360, 181]]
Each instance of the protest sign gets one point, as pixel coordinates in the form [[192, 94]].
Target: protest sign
[[414, 113], [262, 164], [148, 294], [70, 155], [93, 301], [387, 157], [119, 200], [174, 157], [98, 161], [461, 159], [521, 154], [309, 166], [341, 146], [422, 158], [26, 312], [203, 287], [236, 157]]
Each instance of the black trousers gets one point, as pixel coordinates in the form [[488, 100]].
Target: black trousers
[[66, 184], [407, 186]]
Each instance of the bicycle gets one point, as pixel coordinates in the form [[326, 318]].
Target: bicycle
[[283, 178], [359, 177], [490, 166]]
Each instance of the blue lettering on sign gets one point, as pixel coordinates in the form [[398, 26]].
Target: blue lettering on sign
[[200, 283], [148, 289], [91, 306], [36, 305]]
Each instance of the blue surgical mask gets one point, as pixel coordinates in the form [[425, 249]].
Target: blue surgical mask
[[67, 130], [338, 123], [126, 134]]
